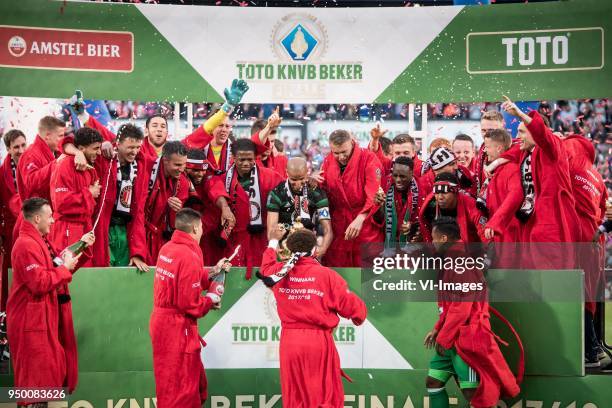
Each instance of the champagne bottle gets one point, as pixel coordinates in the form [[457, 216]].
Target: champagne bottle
[[75, 249]]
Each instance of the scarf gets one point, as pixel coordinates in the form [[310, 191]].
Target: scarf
[[272, 280], [300, 203], [527, 207], [14, 170], [154, 172], [253, 194], [125, 188], [391, 222], [481, 200], [228, 157]]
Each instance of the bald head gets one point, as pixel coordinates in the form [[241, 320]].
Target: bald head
[[297, 173], [297, 166]]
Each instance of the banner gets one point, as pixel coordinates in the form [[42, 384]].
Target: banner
[[550, 50], [385, 356]]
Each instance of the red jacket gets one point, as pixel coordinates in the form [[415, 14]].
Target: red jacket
[[310, 300], [504, 198], [10, 208], [180, 278], [43, 346], [199, 139], [554, 218], [464, 324], [73, 204], [148, 150], [135, 228], [252, 245], [589, 189], [34, 170], [471, 222], [350, 194], [159, 218], [212, 248]]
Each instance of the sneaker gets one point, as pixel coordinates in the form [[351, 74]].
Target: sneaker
[[592, 362], [601, 353]]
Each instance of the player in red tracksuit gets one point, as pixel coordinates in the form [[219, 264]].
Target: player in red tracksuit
[[39, 311], [398, 214], [309, 298], [442, 160], [548, 211], [178, 303], [168, 189], [120, 233], [244, 189], [500, 196], [10, 202], [263, 134], [213, 135], [464, 150], [402, 145], [591, 195], [352, 177], [37, 163], [465, 345], [74, 193], [447, 199], [213, 217]]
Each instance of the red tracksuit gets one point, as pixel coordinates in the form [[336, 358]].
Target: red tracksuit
[[591, 195], [470, 220], [212, 250], [158, 216], [9, 212], [252, 245], [40, 330], [554, 217], [34, 174], [308, 310], [135, 228], [73, 204], [464, 324], [351, 193], [148, 150], [504, 198], [180, 278]]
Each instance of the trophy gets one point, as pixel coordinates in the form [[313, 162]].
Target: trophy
[[284, 253]]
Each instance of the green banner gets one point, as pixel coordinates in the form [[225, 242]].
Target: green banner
[[548, 50]]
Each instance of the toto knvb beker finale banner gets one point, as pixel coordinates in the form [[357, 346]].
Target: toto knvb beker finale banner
[[307, 55]]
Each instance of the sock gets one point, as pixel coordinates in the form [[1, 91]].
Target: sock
[[438, 398]]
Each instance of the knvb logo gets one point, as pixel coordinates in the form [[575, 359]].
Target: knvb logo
[[299, 37], [299, 43]]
